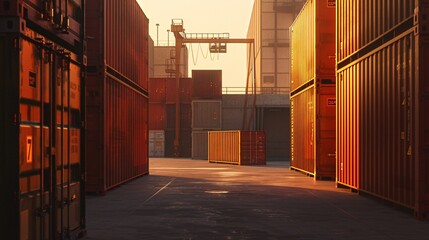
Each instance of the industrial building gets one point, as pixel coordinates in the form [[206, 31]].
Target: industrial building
[[269, 27]]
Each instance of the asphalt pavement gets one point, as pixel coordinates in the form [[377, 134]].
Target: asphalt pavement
[[194, 199]]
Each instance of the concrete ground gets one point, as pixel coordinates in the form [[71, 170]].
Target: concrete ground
[[194, 199]]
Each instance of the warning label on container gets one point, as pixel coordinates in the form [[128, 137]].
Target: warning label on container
[[331, 102], [331, 3]]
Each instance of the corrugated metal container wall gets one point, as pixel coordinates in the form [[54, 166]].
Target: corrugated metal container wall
[[382, 130], [207, 115], [185, 90], [302, 131], [302, 43], [368, 21], [207, 84], [157, 90], [313, 90], [127, 40], [237, 147], [199, 144], [117, 90], [157, 118], [164, 90], [41, 107], [156, 143]]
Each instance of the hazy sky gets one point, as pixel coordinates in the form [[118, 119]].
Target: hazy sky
[[206, 16]]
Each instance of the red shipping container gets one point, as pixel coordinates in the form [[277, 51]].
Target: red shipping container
[[117, 96], [367, 20], [382, 120], [119, 40], [206, 84], [185, 90], [157, 117], [313, 90], [42, 111], [157, 90]]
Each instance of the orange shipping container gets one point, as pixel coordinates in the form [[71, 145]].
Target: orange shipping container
[[382, 117], [237, 147], [313, 90]]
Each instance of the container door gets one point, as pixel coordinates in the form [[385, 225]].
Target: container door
[[325, 131], [49, 142]]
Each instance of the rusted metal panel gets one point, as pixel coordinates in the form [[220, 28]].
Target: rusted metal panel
[[363, 22], [185, 90], [313, 90], [120, 40], [199, 144], [237, 147], [206, 114], [207, 84], [156, 143], [157, 116], [382, 132], [41, 133]]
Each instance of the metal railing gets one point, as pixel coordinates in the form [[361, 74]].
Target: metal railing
[[260, 90]]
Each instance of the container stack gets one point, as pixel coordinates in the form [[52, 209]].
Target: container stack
[[162, 118], [157, 117], [382, 93], [206, 109], [42, 110], [313, 90], [185, 88], [117, 89]]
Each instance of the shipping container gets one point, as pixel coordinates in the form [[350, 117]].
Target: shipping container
[[164, 90], [206, 84], [156, 143], [119, 42], [185, 90], [185, 116], [368, 22], [313, 90], [120, 127], [157, 118], [200, 144], [206, 114], [117, 90], [185, 143], [237, 147], [42, 165], [382, 92], [157, 90]]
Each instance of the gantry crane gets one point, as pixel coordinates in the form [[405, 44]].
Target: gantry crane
[[218, 43]]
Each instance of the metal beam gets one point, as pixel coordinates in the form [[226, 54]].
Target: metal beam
[[219, 40]]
